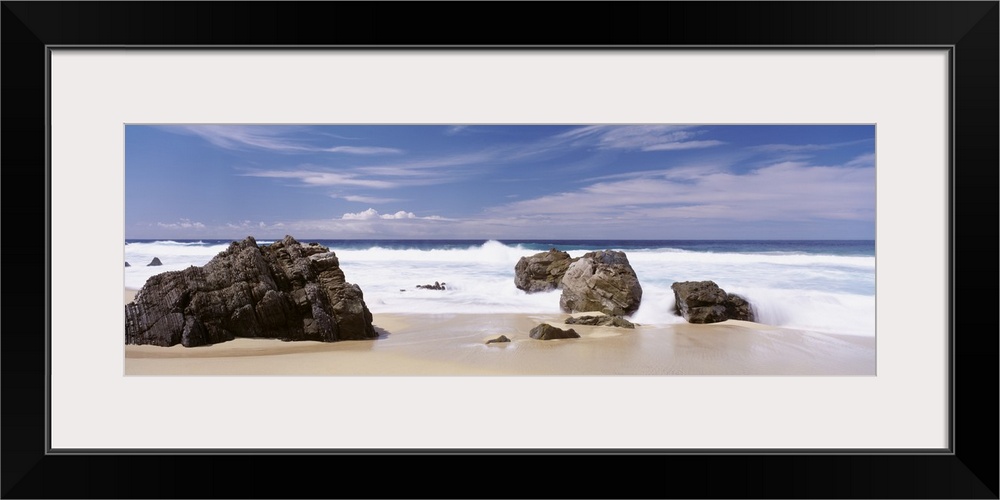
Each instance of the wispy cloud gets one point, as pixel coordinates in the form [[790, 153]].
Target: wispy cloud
[[181, 224], [639, 137], [338, 136], [454, 167], [783, 191], [450, 167], [691, 171], [322, 178], [791, 148], [668, 146], [360, 150], [863, 161], [419, 172], [274, 139], [365, 199], [423, 167]]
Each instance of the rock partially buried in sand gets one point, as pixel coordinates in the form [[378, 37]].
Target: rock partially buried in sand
[[127, 264], [502, 338], [154, 262], [542, 271], [705, 302], [285, 290], [600, 320], [546, 331], [601, 281]]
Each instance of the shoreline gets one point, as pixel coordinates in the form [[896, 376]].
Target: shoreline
[[455, 345]]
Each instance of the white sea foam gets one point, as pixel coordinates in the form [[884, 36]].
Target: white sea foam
[[491, 252], [779, 258], [829, 293], [173, 255]]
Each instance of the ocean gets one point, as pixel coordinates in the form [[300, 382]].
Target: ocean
[[822, 286]]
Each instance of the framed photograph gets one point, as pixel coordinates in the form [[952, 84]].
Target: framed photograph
[[813, 173], [520, 250]]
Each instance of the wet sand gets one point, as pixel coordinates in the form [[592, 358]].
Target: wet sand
[[455, 345]]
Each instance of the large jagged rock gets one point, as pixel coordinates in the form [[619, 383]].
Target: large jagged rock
[[601, 281], [546, 331], [705, 302], [542, 271], [285, 290]]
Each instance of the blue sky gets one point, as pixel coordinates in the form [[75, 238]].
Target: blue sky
[[500, 181]]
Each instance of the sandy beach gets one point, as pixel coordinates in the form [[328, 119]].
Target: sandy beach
[[455, 345]]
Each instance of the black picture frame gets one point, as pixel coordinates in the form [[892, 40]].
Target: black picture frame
[[968, 470]]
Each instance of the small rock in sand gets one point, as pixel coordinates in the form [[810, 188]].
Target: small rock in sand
[[546, 331]]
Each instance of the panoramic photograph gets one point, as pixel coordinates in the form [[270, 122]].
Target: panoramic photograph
[[499, 250]]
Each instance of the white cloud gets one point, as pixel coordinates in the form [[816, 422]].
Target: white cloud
[[780, 192], [449, 168], [792, 147], [359, 150], [863, 161], [639, 137], [668, 146], [718, 163], [337, 136], [246, 224], [445, 168], [805, 147], [365, 199], [399, 215], [369, 214], [321, 178], [420, 167], [267, 138], [372, 214], [182, 224]]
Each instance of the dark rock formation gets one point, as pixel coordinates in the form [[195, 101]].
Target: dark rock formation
[[502, 338], [127, 264], [601, 281], [546, 331], [601, 320], [154, 262], [700, 301], [705, 302], [738, 308], [435, 286], [542, 271], [286, 290]]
